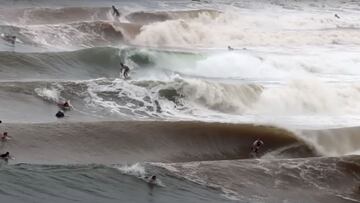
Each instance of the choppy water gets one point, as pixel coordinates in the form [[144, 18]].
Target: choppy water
[[191, 108]]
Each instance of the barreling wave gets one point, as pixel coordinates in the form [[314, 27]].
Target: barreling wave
[[112, 142]]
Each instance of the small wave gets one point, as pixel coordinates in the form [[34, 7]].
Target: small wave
[[73, 36], [93, 183], [138, 170], [84, 64], [69, 36], [33, 16], [258, 180]]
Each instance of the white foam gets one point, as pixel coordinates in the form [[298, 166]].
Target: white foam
[[136, 169], [330, 64], [52, 95], [248, 28], [334, 144], [308, 96]]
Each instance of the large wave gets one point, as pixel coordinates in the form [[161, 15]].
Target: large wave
[[111, 142], [262, 29], [183, 98]]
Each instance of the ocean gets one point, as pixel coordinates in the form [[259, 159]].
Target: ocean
[[207, 78]]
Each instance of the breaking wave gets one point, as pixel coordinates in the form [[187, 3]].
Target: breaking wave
[[146, 141]]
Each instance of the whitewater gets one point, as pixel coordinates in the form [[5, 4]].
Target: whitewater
[[207, 78]]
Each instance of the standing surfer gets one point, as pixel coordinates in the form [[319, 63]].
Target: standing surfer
[[124, 70], [256, 146], [115, 11]]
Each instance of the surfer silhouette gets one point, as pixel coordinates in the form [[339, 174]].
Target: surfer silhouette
[[65, 105], [115, 11], [5, 137], [256, 146], [152, 180], [5, 156], [124, 70]]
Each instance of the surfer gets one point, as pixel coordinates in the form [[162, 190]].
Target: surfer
[[65, 105], [115, 11], [230, 48], [158, 107], [60, 114], [5, 156], [5, 137], [337, 16], [9, 38], [152, 180], [256, 146], [124, 70]]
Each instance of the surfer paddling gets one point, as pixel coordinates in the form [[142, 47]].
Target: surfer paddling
[[65, 105], [5, 137], [60, 114], [9, 38], [152, 180], [5, 156]]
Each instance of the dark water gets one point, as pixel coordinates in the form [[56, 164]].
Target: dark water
[[95, 183], [251, 181]]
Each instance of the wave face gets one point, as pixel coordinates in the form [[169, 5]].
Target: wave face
[[110, 142], [311, 180], [95, 183], [206, 79], [163, 85]]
